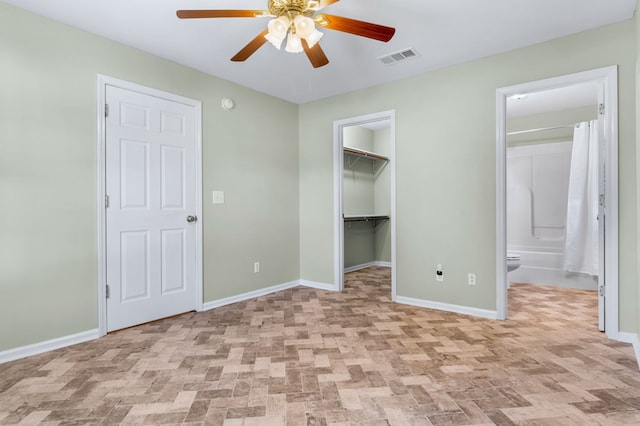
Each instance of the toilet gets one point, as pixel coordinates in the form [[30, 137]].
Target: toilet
[[513, 261]]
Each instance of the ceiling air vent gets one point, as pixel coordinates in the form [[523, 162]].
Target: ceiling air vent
[[402, 55]]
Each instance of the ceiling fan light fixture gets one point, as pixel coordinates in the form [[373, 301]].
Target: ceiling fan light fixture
[[314, 38], [321, 20], [295, 20], [294, 44], [276, 41], [278, 28], [304, 26]]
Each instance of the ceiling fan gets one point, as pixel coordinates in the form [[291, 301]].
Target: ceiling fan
[[296, 20]]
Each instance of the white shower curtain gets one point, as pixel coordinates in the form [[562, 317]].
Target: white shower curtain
[[581, 240]]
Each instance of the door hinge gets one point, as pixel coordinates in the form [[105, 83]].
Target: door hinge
[[106, 201], [106, 110], [602, 200], [601, 109], [601, 290], [108, 293]]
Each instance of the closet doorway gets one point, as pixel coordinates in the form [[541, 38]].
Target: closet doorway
[[539, 161], [364, 195]]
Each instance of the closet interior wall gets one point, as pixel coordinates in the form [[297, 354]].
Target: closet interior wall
[[366, 192]]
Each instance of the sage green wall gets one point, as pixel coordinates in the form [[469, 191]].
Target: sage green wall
[[48, 225], [445, 179], [637, 56], [445, 157]]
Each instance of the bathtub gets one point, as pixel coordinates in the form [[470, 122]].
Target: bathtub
[[545, 268]]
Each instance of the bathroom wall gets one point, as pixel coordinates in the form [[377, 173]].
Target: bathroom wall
[[538, 166], [537, 185]]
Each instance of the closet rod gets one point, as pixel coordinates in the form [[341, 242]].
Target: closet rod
[[520, 132]]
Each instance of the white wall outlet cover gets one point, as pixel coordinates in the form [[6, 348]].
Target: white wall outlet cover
[[471, 278], [227, 104]]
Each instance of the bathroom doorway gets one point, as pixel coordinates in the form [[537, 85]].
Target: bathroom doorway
[[535, 129], [364, 195], [547, 159]]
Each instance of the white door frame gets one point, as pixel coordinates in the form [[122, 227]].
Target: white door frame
[[608, 77], [338, 170], [103, 82]]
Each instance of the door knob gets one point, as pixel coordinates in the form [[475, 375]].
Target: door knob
[[192, 218]]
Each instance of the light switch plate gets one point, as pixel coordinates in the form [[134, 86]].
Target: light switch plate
[[218, 197]]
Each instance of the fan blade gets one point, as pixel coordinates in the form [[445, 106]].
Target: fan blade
[[251, 48], [315, 54], [325, 3], [190, 14], [353, 26]]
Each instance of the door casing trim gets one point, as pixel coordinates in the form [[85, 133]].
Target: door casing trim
[[608, 76], [102, 82]]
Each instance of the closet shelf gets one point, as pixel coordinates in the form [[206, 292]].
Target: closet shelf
[[360, 153], [374, 218]]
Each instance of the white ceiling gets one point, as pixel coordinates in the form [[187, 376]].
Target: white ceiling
[[575, 96], [444, 32]]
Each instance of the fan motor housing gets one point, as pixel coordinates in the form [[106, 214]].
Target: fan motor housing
[[282, 7]]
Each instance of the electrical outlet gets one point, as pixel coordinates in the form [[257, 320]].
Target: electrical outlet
[[256, 267], [439, 273], [471, 278]]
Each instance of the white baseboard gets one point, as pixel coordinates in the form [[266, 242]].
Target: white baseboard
[[319, 286], [464, 310], [48, 345], [249, 295], [634, 339], [367, 265]]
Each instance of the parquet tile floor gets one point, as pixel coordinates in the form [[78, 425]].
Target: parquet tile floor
[[311, 357]]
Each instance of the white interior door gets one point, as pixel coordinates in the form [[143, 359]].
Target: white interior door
[[602, 179], [150, 218]]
